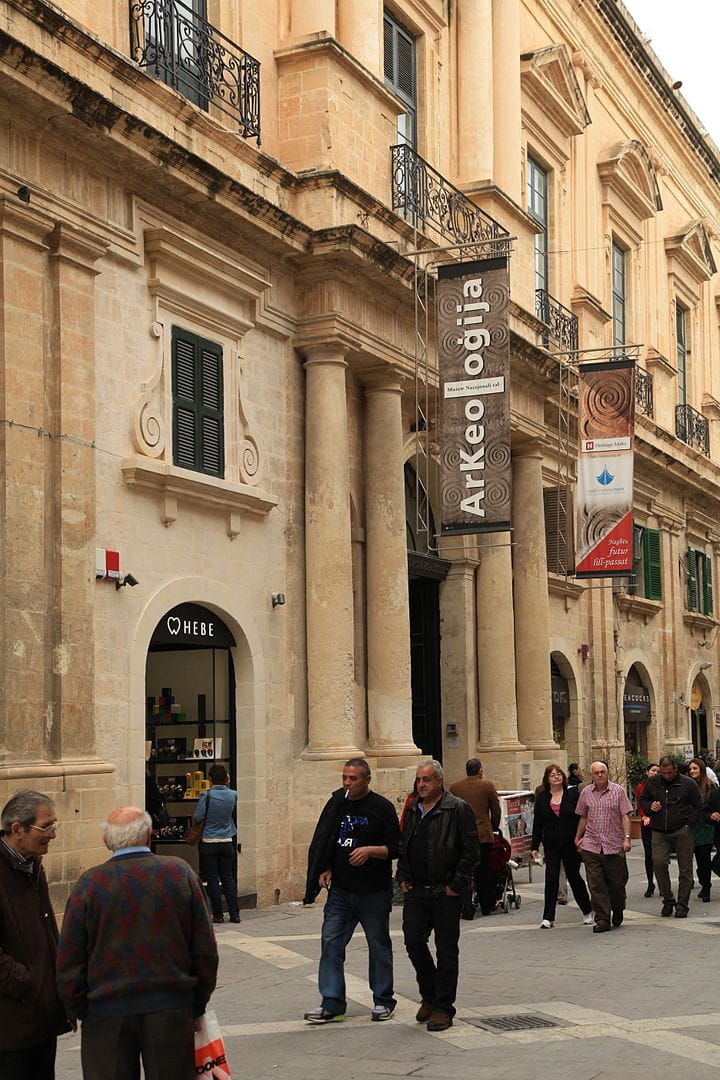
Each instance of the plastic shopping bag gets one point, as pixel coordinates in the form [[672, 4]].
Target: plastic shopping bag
[[210, 1059]]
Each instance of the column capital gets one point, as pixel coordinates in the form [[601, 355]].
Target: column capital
[[326, 353], [23, 222], [79, 246]]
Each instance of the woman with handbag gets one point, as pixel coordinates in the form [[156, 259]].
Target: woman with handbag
[[555, 825], [217, 863]]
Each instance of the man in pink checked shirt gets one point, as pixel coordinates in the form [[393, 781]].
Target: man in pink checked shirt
[[603, 840]]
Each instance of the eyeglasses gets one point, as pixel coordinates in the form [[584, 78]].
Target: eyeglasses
[[52, 827]]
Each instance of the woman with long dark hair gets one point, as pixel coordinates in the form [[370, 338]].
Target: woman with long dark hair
[[645, 831], [555, 825], [703, 832]]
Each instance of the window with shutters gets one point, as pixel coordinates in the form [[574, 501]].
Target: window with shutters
[[647, 571], [400, 69], [699, 582], [619, 295], [558, 531], [197, 385]]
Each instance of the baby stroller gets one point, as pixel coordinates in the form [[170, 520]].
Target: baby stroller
[[501, 868]]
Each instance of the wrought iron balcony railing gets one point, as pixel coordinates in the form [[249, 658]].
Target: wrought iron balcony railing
[[692, 428], [424, 195], [562, 322], [180, 47], [643, 391]]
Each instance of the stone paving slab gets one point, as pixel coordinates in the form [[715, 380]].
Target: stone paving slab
[[641, 999]]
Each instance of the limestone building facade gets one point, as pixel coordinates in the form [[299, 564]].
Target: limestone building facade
[[219, 227]]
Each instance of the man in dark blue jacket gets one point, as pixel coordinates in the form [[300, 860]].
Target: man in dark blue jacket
[[438, 854], [351, 856]]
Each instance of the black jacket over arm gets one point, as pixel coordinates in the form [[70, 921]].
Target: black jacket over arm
[[551, 830]]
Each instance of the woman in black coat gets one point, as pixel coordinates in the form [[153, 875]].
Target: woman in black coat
[[555, 825]]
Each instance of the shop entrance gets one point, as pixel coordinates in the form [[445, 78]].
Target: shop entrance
[[190, 719], [636, 713]]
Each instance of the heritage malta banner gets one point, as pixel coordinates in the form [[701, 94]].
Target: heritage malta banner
[[474, 365], [606, 418]]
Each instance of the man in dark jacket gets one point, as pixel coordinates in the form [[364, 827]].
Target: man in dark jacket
[[671, 804], [351, 856], [438, 853], [30, 1008]]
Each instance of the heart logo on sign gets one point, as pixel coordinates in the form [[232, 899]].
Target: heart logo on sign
[[173, 625]]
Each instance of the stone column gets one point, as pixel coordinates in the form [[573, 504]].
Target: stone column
[[506, 97], [328, 559], [496, 646], [532, 640], [360, 30], [70, 391], [475, 90], [388, 621], [313, 17]]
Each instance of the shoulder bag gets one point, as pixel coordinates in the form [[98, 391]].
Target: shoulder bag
[[194, 834]]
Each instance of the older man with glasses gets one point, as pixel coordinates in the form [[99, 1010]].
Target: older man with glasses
[[31, 1011]]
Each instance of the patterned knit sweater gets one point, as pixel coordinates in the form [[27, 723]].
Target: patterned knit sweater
[[136, 938]]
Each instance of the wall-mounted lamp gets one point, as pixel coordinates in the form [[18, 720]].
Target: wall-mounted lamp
[[583, 652], [126, 579], [23, 193], [278, 599]]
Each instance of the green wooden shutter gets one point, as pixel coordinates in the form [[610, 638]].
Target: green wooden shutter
[[692, 588], [558, 547], [707, 585], [198, 429], [651, 564]]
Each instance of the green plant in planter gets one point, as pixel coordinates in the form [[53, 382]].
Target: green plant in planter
[[636, 765]]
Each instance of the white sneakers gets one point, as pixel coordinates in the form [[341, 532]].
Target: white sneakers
[[546, 925]]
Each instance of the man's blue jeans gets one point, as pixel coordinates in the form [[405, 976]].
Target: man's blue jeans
[[343, 911]]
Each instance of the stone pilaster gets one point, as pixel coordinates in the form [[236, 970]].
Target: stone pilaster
[[70, 392], [312, 17], [506, 97], [475, 90], [388, 624], [328, 557], [532, 641], [359, 30], [25, 556]]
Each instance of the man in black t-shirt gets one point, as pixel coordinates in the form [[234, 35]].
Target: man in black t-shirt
[[351, 855]]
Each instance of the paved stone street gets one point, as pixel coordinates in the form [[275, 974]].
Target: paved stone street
[[641, 1000]]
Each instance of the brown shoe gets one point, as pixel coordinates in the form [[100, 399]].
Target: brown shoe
[[439, 1021], [424, 1012]]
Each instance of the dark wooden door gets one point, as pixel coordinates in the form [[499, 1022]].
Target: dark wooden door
[[425, 665]]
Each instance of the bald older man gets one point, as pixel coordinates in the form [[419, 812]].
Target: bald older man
[[603, 840], [137, 959]]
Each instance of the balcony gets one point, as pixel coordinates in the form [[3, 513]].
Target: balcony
[[562, 323], [181, 48], [692, 428], [643, 391], [427, 198]]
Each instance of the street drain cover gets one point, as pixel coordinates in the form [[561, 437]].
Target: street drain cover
[[512, 1023]]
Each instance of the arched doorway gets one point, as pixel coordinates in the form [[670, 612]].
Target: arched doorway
[[636, 713], [190, 717], [560, 696], [699, 717], [425, 572]]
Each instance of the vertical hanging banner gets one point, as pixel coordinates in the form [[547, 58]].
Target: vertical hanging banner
[[474, 365], [606, 418]]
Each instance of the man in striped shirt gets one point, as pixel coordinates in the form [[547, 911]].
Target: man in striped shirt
[[603, 840]]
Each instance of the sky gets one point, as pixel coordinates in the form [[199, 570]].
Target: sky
[[685, 36]]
